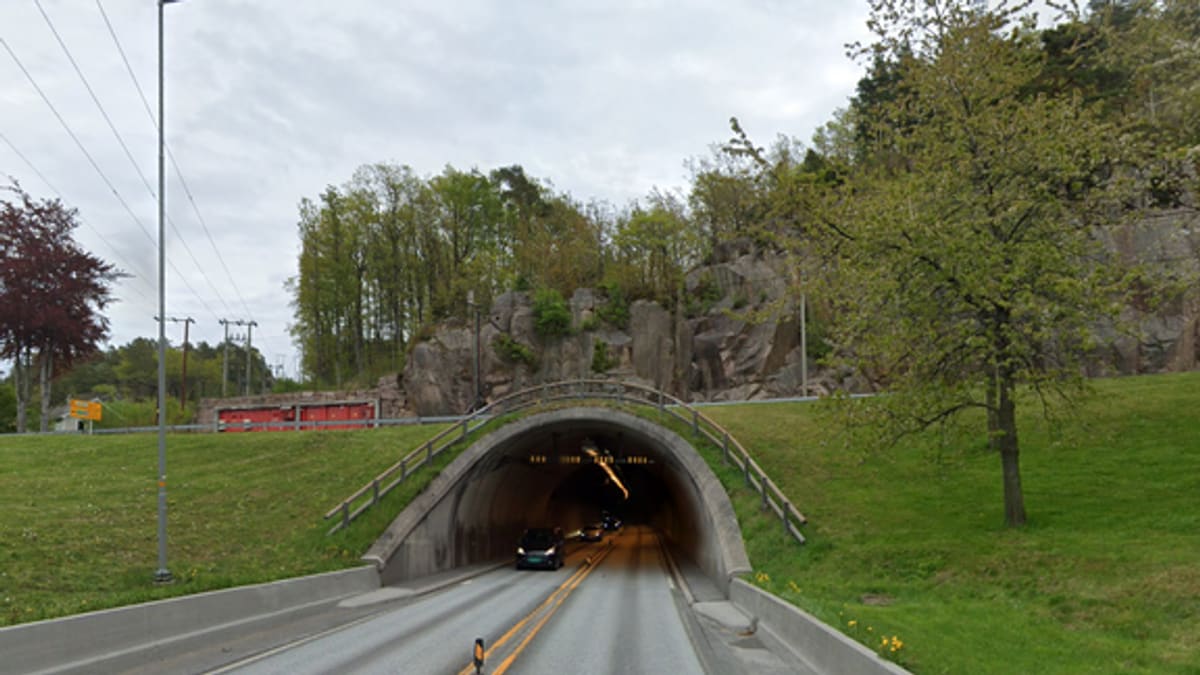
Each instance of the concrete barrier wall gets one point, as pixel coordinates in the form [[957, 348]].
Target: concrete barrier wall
[[823, 648], [73, 640]]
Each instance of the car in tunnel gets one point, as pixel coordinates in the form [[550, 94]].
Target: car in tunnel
[[592, 532], [541, 547]]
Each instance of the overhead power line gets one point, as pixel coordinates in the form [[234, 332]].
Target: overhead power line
[[121, 141], [91, 92], [116, 252], [178, 171], [99, 171]]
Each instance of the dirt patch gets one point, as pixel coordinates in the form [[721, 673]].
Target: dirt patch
[[877, 599]]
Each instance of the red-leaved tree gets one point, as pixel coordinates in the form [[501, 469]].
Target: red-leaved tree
[[51, 294]]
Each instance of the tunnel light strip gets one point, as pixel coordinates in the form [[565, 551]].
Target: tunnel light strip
[[607, 469]]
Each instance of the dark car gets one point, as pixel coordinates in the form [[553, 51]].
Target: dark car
[[592, 532], [542, 547], [611, 522]]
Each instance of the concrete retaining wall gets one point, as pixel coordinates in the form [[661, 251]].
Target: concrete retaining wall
[[822, 647], [75, 640]]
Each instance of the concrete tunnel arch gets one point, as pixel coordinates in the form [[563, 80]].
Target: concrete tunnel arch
[[521, 476]]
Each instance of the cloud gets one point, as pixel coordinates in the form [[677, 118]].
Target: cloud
[[267, 103]]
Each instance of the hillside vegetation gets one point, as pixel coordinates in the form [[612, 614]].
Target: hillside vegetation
[[911, 542], [907, 542]]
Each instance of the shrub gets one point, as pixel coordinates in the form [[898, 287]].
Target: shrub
[[551, 316], [512, 351], [614, 312], [601, 361]]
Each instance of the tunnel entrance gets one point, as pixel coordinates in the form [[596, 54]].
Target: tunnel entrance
[[564, 469]]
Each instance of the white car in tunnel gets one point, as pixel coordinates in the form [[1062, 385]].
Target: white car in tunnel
[[592, 532]]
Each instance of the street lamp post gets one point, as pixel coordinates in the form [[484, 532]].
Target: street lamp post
[[162, 575], [804, 343], [476, 399]]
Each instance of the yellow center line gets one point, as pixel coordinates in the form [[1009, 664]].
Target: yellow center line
[[564, 589], [507, 663]]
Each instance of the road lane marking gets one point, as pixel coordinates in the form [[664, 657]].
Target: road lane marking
[[558, 594], [507, 663]]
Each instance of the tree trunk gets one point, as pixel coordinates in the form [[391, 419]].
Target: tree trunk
[[45, 359], [21, 380], [993, 413], [1014, 499]]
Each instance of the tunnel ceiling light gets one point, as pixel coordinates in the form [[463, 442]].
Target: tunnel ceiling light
[[590, 448]]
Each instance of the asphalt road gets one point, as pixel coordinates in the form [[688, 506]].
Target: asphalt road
[[611, 609]]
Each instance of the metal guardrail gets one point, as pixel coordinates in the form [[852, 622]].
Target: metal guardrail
[[576, 390], [306, 425]]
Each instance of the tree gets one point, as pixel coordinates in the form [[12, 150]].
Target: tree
[[965, 262], [51, 294], [652, 250]]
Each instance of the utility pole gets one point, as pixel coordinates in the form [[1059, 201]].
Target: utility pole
[[249, 332], [225, 361], [183, 375], [225, 364]]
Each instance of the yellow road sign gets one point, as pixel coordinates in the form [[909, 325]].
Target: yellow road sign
[[85, 410]]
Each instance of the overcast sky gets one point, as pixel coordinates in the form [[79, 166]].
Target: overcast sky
[[270, 101]]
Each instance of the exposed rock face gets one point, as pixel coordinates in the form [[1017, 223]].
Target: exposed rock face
[[743, 344], [734, 335], [653, 344], [1166, 338], [437, 375]]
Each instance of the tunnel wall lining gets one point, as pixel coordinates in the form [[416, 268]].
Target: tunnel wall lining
[[428, 536]]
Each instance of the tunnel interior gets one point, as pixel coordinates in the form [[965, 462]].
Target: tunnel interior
[[584, 474], [568, 469]]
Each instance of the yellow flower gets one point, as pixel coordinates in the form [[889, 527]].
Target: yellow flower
[[852, 623]]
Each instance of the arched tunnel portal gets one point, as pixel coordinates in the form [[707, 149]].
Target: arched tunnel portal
[[565, 468]]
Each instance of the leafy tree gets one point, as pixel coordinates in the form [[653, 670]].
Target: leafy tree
[[966, 263], [390, 252], [51, 294], [725, 200], [137, 367], [652, 249], [8, 407]]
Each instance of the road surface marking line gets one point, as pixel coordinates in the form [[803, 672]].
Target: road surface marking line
[[520, 624], [507, 663], [579, 573]]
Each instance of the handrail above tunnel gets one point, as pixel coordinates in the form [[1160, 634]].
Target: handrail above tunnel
[[577, 391]]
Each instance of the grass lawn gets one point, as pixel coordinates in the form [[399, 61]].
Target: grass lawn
[[80, 512], [906, 542], [910, 541]]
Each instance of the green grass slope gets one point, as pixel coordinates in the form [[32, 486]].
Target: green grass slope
[[909, 543], [905, 544], [80, 513]]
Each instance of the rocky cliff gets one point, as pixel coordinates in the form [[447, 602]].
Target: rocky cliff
[[735, 334], [705, 348]]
